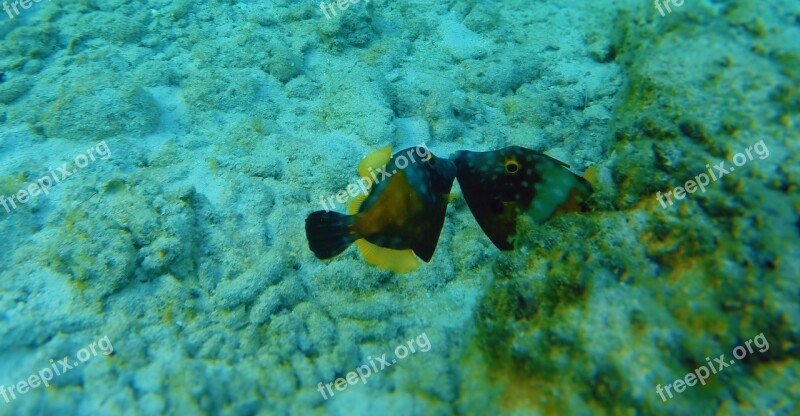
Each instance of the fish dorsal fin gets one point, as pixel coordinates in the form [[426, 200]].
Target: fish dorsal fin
[[398, 261], [375, 160], [355, 204]]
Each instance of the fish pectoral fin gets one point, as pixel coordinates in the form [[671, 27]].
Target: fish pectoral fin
[[397, 261]]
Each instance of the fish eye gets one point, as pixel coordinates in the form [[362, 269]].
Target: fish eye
[[512, 166]]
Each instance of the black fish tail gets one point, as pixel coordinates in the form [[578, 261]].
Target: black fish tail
[[328, 233]]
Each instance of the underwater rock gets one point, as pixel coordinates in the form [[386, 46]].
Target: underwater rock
[[29, 41], [353, 27], [247, 286], [110, 26], [222, 90], [13, 88], [503, 74], [99, 113], [461, 42]]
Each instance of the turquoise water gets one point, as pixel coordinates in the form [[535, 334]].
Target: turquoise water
[[158, 161]]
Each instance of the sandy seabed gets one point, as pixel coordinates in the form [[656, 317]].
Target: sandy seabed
[[158, 160]]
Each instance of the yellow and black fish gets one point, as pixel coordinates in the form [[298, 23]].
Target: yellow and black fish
[[402, 216], [501, 184]]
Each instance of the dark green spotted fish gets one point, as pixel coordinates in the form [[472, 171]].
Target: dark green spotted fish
[[501, 184]]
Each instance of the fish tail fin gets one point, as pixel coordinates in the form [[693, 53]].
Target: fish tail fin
[[328, 233]]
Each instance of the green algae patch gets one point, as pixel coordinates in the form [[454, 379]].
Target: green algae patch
[[528, 356], [529, 335]]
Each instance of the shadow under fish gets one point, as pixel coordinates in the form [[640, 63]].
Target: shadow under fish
[[500, 185], [400, 218]]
